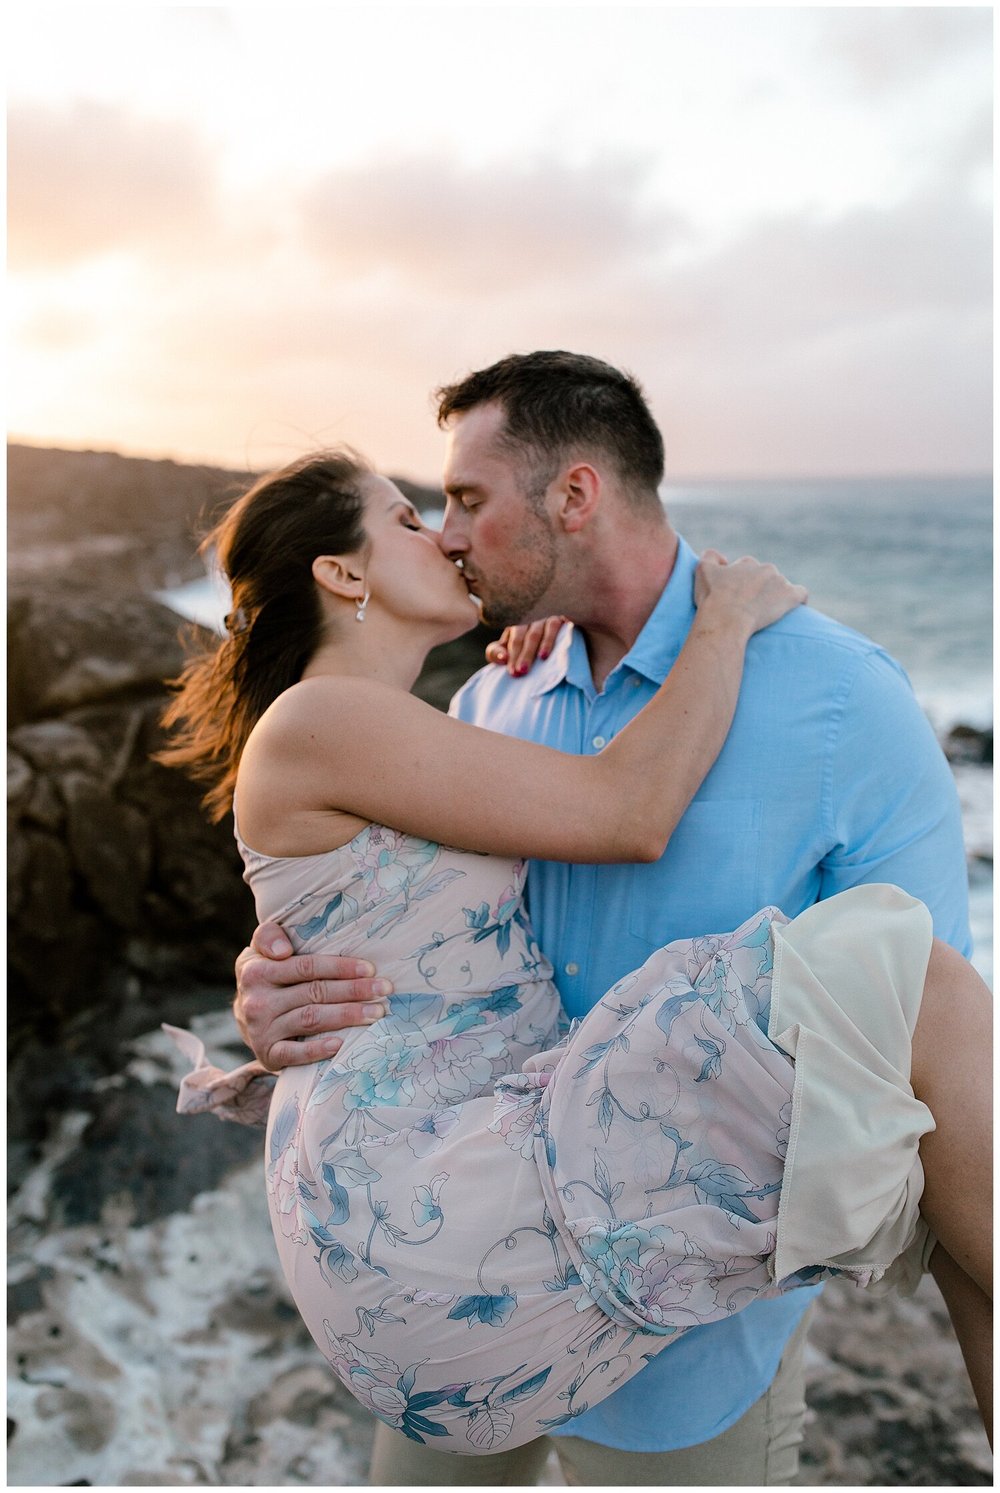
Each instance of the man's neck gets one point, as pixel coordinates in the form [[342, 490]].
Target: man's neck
[[623, 596]]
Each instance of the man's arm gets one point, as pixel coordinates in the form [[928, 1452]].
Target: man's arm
[[891, 803]]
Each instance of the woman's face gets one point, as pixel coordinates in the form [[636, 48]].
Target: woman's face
[[406, 571]]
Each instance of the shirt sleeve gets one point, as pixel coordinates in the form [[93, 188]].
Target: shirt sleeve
[[892, 803]]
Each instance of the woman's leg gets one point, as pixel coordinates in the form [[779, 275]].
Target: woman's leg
[[951, 1073], [971, 1312]]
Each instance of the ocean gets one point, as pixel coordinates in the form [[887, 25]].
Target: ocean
[[908, 561]]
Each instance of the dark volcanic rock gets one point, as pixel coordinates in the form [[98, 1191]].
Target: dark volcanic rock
[[65, 495], [56, 746], [109, 842], [123, 521], [119, 520], [890, 1404], [139, 1154], [969, 744], [116, 880], [74, 644]]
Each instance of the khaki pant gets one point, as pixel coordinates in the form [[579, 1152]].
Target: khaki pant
[[760, 1450]]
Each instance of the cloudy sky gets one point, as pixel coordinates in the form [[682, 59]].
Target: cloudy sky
[[238, 232]]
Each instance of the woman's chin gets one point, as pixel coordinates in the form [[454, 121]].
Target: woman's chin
[[464, 621], [467, 624]]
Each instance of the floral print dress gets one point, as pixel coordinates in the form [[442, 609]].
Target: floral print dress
[[487, 1220]]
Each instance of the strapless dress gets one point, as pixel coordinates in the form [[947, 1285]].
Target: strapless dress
[[489, 1219]]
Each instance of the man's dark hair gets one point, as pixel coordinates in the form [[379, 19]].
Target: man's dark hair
[[557, 402]]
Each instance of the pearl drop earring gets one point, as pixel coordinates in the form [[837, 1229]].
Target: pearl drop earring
[[359, 615]]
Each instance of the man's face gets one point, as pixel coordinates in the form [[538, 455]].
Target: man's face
[[505, 542]]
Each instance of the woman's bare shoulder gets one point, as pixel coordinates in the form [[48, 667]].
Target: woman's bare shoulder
[[328, 702], [294, 759]]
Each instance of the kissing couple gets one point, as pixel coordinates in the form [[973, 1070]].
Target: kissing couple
[[582, 1175]]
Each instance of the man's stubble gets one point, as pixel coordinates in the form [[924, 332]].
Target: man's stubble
[[530, 574]]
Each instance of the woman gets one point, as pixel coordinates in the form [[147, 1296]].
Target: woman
[[483, 1227]]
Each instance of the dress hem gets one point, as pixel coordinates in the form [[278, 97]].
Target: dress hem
[[903, 923]]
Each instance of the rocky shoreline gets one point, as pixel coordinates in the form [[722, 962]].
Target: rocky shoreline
[[151, 1340]]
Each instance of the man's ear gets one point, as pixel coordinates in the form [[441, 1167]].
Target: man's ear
[[580, 496], [340, 575]]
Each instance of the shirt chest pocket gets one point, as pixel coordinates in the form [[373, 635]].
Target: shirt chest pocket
[[708, 879]]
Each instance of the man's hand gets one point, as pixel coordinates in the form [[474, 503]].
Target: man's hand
[[282, 997], [519, 645]]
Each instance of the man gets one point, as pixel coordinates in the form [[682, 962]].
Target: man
[[830, 777]]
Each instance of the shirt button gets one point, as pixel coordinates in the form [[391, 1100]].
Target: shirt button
[[572, 969], [599, 741]]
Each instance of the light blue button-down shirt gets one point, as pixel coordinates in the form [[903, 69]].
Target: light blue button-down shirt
[[830, 776]]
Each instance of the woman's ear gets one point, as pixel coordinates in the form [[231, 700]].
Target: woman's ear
[[339, 575]]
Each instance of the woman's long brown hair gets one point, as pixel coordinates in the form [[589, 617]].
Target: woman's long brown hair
[[265, 545]]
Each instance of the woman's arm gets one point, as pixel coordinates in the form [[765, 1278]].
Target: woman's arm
[[335, 746]]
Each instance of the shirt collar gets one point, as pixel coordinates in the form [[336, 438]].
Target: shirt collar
[[655, 649]]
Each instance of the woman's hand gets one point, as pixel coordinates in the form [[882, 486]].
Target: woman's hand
[[519, 645], [746, 590]]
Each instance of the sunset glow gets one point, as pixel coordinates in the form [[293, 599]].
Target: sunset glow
[[238, 232]]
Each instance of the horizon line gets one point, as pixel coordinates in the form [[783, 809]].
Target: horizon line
[[682, 479]]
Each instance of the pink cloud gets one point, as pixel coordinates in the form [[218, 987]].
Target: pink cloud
[[441, 225], [89, 178]]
